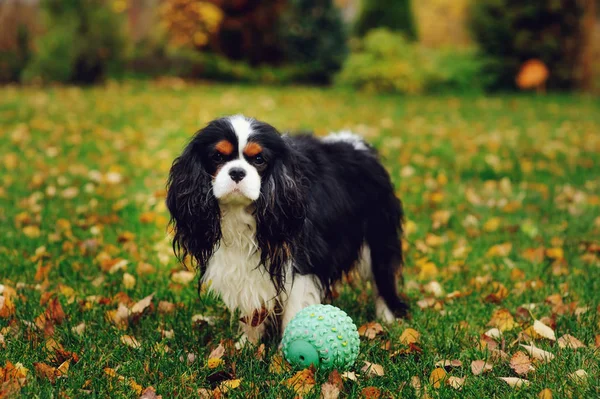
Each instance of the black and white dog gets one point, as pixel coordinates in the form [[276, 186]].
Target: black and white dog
[[273, 221]]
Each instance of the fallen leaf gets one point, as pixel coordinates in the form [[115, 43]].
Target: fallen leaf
[[183, 277], [279, 365], [370, 330], [370, 393], [143, 304], [494, 333], [545, 394], [372, 369], [538, 354], [515, 382], [302, 382], [130, 341], [46, 372], [150, 393], [349, 375], [410, 336], [569, 341], [521, 363], [128, 281], [434, 288], [456, 382], [579, 376], [448, 363], [213, 363], [336, 379], [480, 366], [329, 391], [437, 376], [543, 330], [228, 385], [7, 308], [503, 320], [165, 307], [218, 352], [204, 393]]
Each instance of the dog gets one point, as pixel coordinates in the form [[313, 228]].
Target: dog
[[273, 221]]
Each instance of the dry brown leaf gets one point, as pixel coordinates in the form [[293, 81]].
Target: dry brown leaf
[[543, 330], [150, 393], [538, 354], [260, 352], [499, 292], [503, 320], [480, 366], [372, 369], [515, 382], [218, 352], [165, 307], [336, 379], [456, 382], [545, 394], [143, 304], [302, 382], [204, 393], [370, 330], [7, 308], [46, 372], [437, 376], [370, 393], [569, 341], [410, 336], [597, 341], [521, 363], [130, 341], [329, 391]]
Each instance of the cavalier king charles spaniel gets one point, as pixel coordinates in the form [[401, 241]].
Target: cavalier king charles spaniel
[[273, 221]]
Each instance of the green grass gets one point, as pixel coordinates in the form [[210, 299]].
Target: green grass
[[531, 162]]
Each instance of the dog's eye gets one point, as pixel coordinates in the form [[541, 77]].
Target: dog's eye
[[259, 160], [217, 157]]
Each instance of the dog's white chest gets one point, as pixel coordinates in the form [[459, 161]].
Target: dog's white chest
[[234, 272]]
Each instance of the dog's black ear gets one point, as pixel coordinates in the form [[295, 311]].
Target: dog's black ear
[[280, 215], [195, 214]]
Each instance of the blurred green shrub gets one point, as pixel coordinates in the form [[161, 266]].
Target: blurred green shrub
[[313, 39], [395, 15], [387, 62], [83, 42], [510, 32]]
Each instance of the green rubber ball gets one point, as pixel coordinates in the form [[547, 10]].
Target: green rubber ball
[[322, 335]]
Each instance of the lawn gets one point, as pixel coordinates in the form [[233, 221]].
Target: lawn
[[502, 201]]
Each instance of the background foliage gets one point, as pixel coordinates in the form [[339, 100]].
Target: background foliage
[[509, 32], [387, 62], [395, 15]]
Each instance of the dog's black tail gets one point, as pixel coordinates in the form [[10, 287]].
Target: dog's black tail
[[383, 233]]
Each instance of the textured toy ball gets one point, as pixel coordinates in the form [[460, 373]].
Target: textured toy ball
[[322, 335]]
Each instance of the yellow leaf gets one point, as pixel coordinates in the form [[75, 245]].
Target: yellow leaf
[[128, 281], [543, 330], [214, 362], [437, 376], [500, 250], [503, 320], [410, 336], [492, 224], [545, 394], [130, 341], [555, 253], [302, 382]]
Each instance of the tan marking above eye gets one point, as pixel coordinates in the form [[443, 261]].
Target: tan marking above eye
[[224, 147], [252, 149]]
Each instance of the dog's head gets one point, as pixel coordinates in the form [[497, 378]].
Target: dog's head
[[235, 161]]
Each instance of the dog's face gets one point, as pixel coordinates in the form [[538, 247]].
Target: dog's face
[[238, 153], [234, 161]]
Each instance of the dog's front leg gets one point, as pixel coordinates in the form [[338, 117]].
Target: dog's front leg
[[306, 291]]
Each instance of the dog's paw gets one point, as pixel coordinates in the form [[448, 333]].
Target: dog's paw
[[383, 312]]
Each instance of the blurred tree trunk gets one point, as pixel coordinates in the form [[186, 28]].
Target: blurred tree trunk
[[587, 51]]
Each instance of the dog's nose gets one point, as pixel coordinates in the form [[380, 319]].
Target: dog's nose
[[237, 174]]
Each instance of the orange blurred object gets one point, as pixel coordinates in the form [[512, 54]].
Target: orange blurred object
[[533, 75]]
